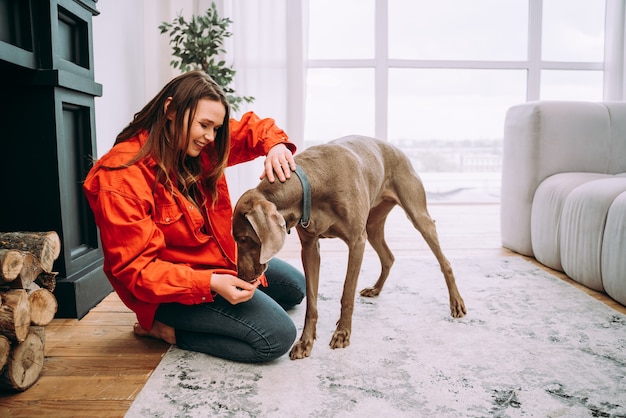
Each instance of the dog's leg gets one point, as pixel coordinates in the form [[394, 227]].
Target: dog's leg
[[341, 336], [376, 238], [311, 265], [413, 201], [457, 305], [426, 226]]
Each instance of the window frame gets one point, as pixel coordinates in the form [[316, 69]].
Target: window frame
[[381, 62]]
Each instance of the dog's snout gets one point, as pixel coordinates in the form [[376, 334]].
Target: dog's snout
[[249, 272]]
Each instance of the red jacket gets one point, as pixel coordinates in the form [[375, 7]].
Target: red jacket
[[154, 248]]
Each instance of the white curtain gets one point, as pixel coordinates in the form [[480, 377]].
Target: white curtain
[[267, 51]]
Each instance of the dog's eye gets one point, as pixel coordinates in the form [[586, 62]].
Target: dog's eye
[[241, 240]]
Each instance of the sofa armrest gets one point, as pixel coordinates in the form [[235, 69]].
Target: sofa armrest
[[541, 139]]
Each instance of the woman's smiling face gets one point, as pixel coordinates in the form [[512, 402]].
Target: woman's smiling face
[[208, 118]]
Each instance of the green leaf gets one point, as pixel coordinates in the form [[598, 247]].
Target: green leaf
[[198, 43]]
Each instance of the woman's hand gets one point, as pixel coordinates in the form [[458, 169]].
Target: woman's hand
[[232, 288], [279, 160]]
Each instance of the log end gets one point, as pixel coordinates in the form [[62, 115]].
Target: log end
[[24, 364], [43, 306]]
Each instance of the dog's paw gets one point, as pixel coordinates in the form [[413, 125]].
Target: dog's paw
[[300, 350], [457, 308], [370, 292], [341, 339]]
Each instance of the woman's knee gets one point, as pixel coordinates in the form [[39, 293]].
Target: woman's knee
[[286, 283], [278, 341]]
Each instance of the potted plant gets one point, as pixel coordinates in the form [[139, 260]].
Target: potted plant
[[198, 44]]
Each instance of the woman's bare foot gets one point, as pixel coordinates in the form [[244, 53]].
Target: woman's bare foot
[[159, 331]]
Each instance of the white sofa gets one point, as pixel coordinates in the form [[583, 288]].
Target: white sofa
[[563, 196]]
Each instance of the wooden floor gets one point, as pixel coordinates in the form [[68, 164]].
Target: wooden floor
[[96, 366]]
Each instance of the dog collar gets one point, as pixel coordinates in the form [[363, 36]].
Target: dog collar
[[305, 220]]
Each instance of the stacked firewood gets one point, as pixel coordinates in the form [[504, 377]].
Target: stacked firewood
[[27, 304]]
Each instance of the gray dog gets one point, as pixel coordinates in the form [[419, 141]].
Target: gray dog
[[354, 183]]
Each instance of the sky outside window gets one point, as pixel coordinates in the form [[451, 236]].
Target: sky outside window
[[341, 29], [339, 102], [451, 104], [458, 29], [573, 30], [571, 85]]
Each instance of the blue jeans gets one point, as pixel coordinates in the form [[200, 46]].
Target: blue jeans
[[254, 331]]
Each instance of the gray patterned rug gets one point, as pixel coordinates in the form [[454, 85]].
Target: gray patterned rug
[[531, 345]]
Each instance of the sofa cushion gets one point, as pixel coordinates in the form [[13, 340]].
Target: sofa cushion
[[582, 229], [614, 251], [546, 214]]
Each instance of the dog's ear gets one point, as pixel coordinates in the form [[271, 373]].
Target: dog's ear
[[271, 228]]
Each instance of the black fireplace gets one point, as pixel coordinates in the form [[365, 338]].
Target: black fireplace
[[47, 137]]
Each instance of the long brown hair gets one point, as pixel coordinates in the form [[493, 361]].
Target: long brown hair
[[166, 144]]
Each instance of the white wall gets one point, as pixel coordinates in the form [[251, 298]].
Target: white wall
[[118, 66], [130, 61]]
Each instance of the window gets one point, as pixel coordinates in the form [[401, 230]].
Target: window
[[436, 78], [348, 34], [343, 97], [458, 29], [573, 30]]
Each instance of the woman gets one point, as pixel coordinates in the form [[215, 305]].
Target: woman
[[162, 205]]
